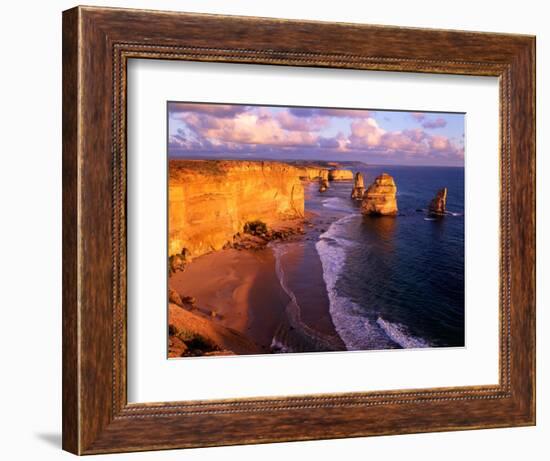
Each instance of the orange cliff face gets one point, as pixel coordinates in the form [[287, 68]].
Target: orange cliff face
[[209, 201], [340, 175], [311, 172]]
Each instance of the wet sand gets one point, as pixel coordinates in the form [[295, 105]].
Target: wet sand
[[244, 291], [241, 287]]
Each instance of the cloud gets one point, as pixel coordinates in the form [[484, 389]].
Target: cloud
[[366, 133], [418, 116], [368, 137], [330, 112], [248, 128], [288, 121], [437, 123], [416, 134], [217, 110], [439, 142], [257, 130]]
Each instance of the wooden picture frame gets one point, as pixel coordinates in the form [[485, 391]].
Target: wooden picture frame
[[97, 43]]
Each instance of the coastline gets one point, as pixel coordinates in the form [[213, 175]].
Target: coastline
[[329, 278], [247, 297], [252, 297]]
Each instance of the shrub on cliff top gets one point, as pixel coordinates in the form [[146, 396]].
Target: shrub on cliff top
[[256, 227]]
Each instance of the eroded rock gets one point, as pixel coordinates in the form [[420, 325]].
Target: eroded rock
[[380, 197], [358, 187], [438, 205], [340, 175]]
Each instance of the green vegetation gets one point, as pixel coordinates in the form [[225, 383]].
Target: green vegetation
[[256, 227], [195, 343]]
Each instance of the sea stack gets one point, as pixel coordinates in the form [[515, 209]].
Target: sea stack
[[340, 175], [323, 181], [379, 199], [358, 187], [438, 205]]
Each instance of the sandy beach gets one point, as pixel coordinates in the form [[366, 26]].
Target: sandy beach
[[240, 290], [240, 287]]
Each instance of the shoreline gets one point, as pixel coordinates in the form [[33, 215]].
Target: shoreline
[[247, 298], [252, 297], [288, 285]]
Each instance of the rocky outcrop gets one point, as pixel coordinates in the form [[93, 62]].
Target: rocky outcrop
[[340, 175], [323, 181], [174, 297], [310, 172], [210, 201], [439, 204], [380, 197], [358, 187], [178, 261], [191, 334]]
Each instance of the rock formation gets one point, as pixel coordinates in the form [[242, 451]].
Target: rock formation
[[177, 261], [174, 297], [309, 173], [195, 334], [340, 175], [323, 181], [379, 199], [358, 187], [210, 201], [438, 205]]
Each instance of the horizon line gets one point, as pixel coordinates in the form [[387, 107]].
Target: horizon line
[[286, 160]]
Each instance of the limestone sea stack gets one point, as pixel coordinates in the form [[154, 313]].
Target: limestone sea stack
[[340, 175], [379, 199], [323, 181], [439, 204], [358, 187]]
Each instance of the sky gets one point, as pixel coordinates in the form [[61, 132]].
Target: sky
[[382, 137]]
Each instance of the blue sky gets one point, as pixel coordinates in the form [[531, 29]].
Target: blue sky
[[269, 132]]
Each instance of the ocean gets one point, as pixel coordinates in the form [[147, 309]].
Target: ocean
[[386, 282]]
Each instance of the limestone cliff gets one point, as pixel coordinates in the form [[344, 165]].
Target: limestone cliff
[[379, 199], [358, 187], [209, 201], [323, 181], [438, 205], [310, 172], [339, 175]]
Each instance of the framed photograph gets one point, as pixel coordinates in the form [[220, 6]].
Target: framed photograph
[[279, 230]]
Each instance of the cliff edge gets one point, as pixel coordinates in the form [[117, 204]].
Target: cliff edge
[[210, 201]]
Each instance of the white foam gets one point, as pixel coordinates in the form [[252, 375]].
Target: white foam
[[357, 332], [399, 334], [336, 203], [293, 311]]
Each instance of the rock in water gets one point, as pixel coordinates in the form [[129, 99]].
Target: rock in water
[[379, 199], [438, 205], [340, 175], [323, 181], [358, 187]]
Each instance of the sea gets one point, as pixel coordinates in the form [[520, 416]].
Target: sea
[[379, 282]]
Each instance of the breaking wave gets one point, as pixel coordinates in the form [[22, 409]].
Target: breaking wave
[[336, 203], [399, 334], [356, 330]]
